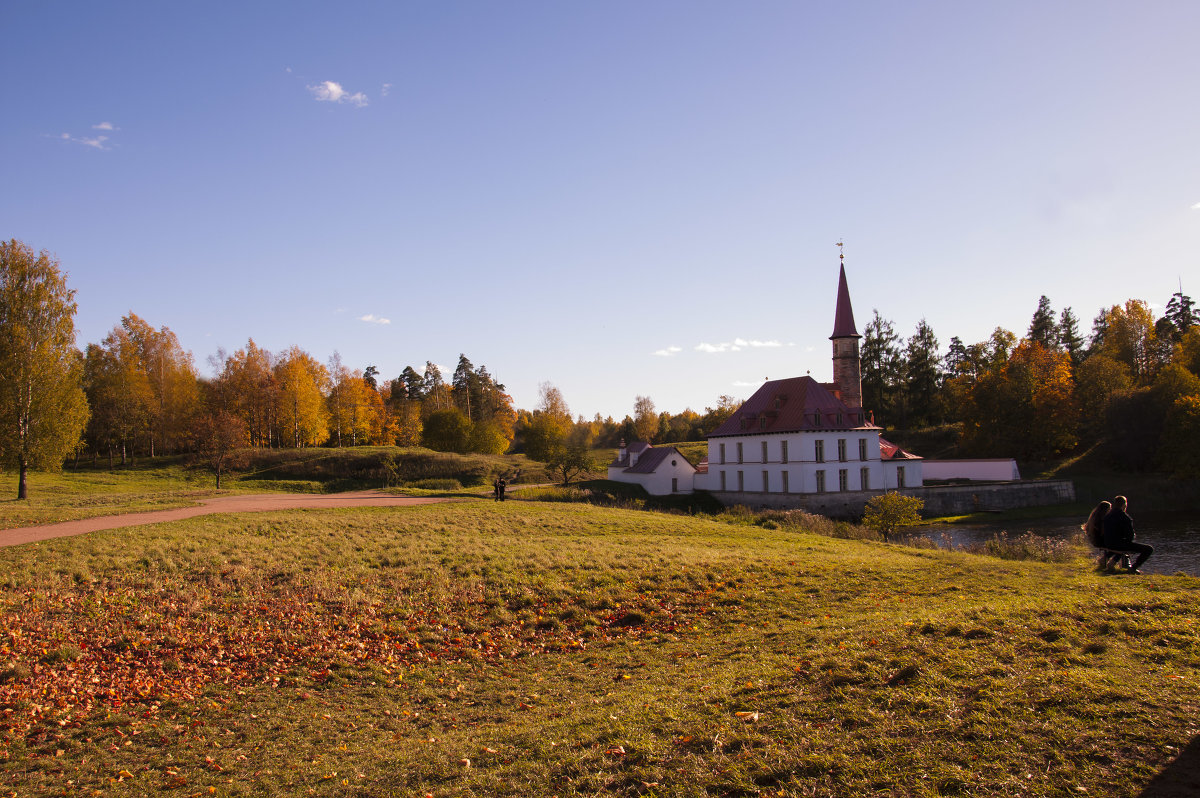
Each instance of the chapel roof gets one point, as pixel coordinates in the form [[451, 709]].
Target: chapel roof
[[796, 404]]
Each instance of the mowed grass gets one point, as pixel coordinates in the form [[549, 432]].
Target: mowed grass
[[556, 649], [88, 492]]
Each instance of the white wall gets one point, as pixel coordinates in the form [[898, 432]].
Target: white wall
[[675, 466], [989, 470], [802, 465]]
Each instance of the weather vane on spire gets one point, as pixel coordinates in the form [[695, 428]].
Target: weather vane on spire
[[841, 255]]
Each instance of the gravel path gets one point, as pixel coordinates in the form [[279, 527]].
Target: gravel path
[[249, 503]]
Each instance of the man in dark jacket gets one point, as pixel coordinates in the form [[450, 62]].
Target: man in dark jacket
[[1118, 534]]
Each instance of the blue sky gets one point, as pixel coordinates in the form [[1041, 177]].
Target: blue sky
[[620, 198]]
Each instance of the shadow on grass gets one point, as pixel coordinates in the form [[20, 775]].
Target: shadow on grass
[[1180, 779]]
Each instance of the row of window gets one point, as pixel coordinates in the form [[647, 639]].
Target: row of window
[[818, 451], [781, 484]]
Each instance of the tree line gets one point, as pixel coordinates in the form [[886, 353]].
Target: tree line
[[1133, 383]]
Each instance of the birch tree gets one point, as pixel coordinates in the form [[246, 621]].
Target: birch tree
[[42, 406]]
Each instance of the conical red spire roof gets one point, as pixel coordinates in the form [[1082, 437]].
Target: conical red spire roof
[[843, 318]]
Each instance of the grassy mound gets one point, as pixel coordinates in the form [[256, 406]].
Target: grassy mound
[[566, 649]]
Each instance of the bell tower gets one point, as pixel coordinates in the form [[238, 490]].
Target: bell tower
[[847, 365]]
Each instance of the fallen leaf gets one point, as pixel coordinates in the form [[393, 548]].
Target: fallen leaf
[[749, 717]]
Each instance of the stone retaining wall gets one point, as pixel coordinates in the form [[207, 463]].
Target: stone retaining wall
[[939, 500]]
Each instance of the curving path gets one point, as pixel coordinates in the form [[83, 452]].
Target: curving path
[[248, 503]]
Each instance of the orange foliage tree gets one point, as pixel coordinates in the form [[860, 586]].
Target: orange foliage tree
[[1025, 408]]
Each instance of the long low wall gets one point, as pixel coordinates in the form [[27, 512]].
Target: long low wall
[[939, 500]]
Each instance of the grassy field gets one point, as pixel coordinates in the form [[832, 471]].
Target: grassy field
[[563, 649], [166, 482]]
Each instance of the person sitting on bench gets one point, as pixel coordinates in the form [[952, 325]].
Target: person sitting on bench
[[1119, 534]]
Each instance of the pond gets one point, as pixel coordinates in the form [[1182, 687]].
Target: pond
[[1174, 536]]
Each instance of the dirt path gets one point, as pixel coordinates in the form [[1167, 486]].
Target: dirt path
[[251, 503]]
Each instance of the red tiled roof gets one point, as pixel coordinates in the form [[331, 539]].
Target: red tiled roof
[[890, 451], [843, 317], [797, 404]]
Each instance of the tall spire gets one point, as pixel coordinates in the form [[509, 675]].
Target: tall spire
[[843, 316], [847, 367]]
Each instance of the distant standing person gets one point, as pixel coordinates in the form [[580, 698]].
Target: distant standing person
[[500, 485], [1119, 534]]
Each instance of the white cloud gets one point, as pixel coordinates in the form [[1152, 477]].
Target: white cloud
[[371, 318], [670, 350], [96, 143], [332, 92], [104, 126], [1196, 207], [387, 87], [737, 345]]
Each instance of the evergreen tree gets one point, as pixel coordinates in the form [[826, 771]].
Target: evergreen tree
[[1069, 338], [413, 384], [465, 384], [922, 377], [881, 360], [1181, 315], [1042, 329]]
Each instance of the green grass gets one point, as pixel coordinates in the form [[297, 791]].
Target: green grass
[[165, 482], [563, 649], [88, 492]]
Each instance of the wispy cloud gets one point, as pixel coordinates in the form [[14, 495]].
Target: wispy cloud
[[332, 92], [371, 318], [737, 345], [670, 350], [95, 142], [1196, 207], [387, 87]]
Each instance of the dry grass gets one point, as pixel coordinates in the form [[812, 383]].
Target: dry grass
[[563, 649]]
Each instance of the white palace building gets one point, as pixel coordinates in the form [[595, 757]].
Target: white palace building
[[793, 436]]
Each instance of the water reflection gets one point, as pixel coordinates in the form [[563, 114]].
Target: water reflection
[[1174, 536]]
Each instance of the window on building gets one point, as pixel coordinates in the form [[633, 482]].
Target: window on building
[[862, 448], [762, 423], [840, 421], [783, 451], [864, 478], [674, 484], [819, 451], [722, 480], [841, 450], [764, 448], [739, 451], [766, 481], [843, 479], [900, 477], [722, 460], [820, 482], [741, 481], [785, 481]]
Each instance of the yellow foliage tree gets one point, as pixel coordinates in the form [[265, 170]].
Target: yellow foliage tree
[[302, 383], [43, 409]]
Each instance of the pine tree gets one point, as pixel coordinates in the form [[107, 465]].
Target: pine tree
[[1069, 338], [881, 362], [1042, 329], [922, 378]]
